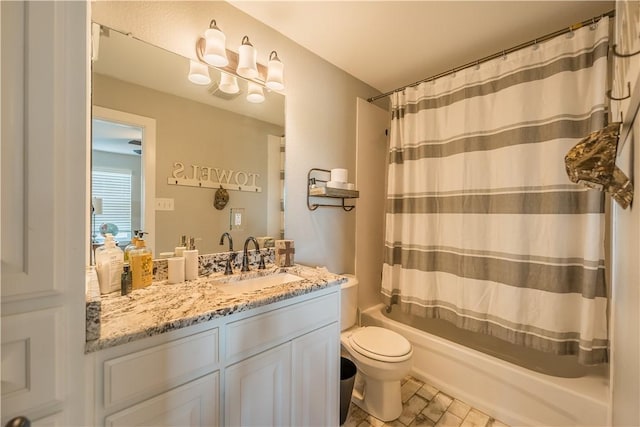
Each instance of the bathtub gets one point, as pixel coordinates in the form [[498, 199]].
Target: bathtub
[[520, 389]]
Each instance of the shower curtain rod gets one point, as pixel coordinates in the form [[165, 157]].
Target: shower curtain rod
[[546, 37]]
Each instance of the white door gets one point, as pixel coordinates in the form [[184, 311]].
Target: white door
[[44, 213], [258, 389], [316, 378]]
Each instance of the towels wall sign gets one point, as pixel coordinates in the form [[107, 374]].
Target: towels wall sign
[[208, 177]]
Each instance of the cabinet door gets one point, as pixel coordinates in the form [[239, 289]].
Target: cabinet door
[[258, 389], [193, 404], [316, 382]]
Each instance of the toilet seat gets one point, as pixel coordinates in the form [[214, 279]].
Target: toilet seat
[[381, 344]]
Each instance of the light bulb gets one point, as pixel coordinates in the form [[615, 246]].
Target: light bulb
[[228, 83], [215, 51], [275, 73], [199, 73], [255, 94], [247, 67]]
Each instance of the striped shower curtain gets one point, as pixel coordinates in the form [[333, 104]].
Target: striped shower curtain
[[483, 227]]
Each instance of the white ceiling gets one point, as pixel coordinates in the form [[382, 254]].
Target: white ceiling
[[389, 44]]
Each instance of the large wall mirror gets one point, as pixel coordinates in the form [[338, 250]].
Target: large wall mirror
[[162, 147]]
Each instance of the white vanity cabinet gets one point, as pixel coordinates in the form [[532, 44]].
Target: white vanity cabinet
[[194, 404], [258, 390], [273, 365], [315, 395], [291, 384], [168, 379]]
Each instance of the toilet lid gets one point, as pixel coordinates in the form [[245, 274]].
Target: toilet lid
[[381, 344]]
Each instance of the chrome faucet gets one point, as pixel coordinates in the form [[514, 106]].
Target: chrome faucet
[[227, 268], [245, 255]]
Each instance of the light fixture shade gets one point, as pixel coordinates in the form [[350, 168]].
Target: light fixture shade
[[255, 94], [228, 83], [199, 73], [247, 66], [275, 72], [215, 51]]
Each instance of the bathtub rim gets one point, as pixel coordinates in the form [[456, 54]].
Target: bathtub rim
[[597, 401]]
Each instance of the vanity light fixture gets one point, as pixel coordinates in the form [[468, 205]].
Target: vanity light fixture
[[211, 50], [228, 83], [275, 72], [247, 66], [199, 73], [255, 94], [215, 51]]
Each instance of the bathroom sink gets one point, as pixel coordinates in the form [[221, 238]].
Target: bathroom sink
[[257, 283]]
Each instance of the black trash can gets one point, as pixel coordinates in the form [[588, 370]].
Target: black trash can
[[347, 378]]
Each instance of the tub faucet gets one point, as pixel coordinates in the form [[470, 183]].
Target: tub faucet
[[227, 268], [245, 255]]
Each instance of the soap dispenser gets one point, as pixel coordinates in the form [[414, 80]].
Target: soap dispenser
[[131, 246], [182, 246], [141, 263], [109, 264], [191, 260]]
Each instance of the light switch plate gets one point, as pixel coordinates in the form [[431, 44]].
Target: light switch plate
[[237, 219], [164, 204]]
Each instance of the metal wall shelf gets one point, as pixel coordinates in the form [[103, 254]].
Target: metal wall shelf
[[315, 176]]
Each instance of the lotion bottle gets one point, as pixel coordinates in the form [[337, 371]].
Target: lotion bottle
[[109, 265]]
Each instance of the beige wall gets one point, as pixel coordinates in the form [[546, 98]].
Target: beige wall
[[372, 154], [320, 110], [194, 133]]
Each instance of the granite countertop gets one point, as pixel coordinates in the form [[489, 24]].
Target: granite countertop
[[163, 307]]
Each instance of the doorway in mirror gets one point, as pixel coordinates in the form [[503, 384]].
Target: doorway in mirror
[[122, 176]]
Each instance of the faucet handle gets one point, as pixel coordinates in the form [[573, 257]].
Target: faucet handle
[[261, 265], [228, 269]]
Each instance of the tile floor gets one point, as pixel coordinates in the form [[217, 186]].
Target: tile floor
[[424, 405]]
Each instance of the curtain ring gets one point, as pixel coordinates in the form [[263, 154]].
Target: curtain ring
[[535, 44], [570, 33]]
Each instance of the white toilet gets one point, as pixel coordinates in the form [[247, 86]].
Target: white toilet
[[382, 357]]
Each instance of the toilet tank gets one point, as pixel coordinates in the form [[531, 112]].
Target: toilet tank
[[349, 302]]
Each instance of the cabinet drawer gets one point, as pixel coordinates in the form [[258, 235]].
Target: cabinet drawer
[[141, 374], [248, 336], [195, 404]]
